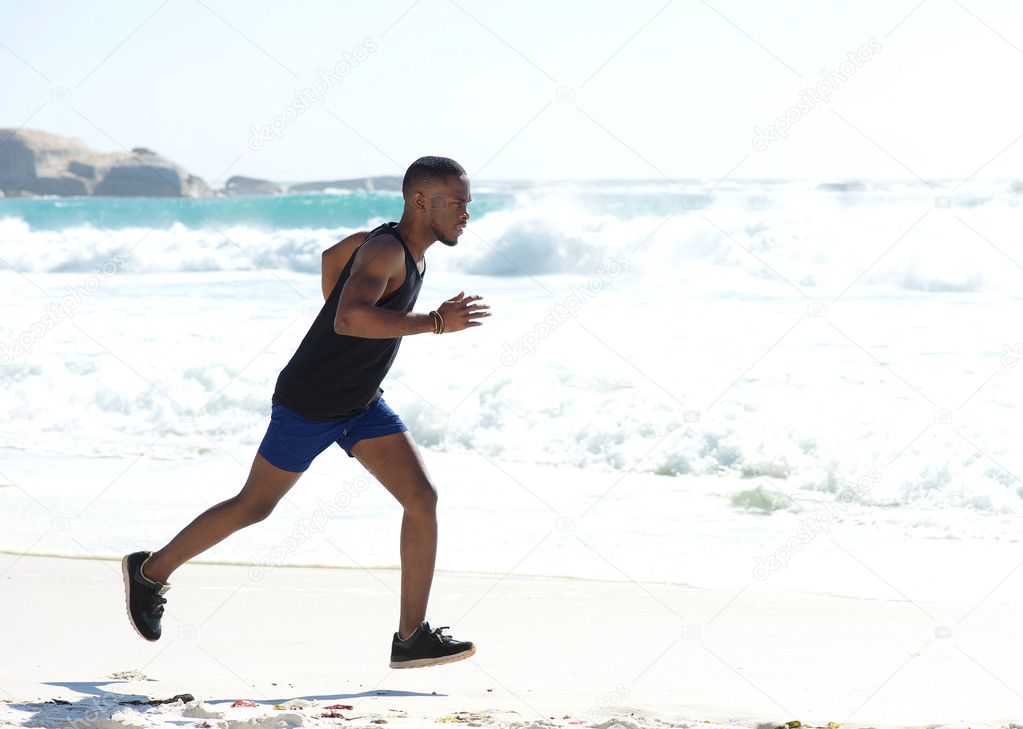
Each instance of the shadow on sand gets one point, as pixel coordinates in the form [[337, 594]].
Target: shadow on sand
[[99, 703]]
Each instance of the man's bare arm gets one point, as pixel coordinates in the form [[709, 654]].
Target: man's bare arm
[[376, 265]]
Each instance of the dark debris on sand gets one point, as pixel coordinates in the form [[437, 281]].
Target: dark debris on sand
[[156, 702]]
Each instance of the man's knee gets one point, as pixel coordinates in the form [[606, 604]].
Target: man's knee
[[253, 510], [423, 500]]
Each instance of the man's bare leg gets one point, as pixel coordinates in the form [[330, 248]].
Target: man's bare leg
[[263, 489], [394, 460]]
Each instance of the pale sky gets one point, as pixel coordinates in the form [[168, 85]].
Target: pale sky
[[534, 90]]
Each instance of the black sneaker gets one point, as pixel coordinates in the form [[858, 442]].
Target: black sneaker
[[426, 647], [143, 597]]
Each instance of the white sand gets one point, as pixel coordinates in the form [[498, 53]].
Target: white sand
[[579, 651]]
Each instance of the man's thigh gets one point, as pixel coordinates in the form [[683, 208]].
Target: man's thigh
[[395, 461]]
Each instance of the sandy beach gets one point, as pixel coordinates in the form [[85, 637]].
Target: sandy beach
[[629, 598], [551, 652]]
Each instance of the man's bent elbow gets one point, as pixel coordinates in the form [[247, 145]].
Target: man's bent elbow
[[343, 322]]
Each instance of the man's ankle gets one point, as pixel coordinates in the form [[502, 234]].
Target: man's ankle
[[402, 635], [142, 569]]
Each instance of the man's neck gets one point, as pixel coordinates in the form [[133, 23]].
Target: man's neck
[[417, 240]]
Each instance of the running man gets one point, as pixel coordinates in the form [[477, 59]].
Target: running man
[[330, 393]]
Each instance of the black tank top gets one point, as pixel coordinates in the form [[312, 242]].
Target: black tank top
[[334, 376]]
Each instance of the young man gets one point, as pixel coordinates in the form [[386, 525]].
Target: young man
[[330, 392]]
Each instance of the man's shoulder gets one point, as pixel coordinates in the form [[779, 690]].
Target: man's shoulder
[[383, 242], [346, 245], [382, 249]]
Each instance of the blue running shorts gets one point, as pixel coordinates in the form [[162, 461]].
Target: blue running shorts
[[292, 442]]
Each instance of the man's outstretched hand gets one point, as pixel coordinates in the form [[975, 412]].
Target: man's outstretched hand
[[461, 312]]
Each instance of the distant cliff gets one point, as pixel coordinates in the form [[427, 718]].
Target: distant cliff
[[39, 163]]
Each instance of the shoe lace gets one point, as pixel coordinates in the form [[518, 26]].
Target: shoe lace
[[440, 636], [155, 607]]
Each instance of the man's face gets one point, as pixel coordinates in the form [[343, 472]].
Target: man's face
[[447, 209]]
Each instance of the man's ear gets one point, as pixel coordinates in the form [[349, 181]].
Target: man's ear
[[419, 200]]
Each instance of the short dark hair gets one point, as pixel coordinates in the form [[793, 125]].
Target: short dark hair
[[429, 169]]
